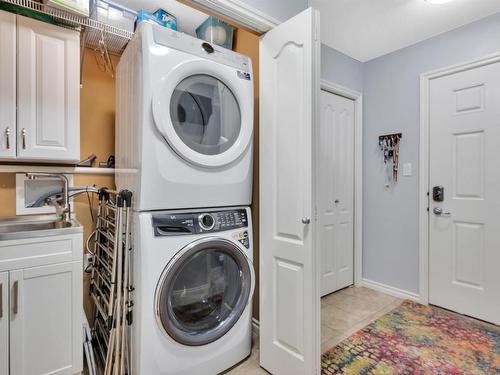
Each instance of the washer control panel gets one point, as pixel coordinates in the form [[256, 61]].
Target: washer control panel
[[175, 224]]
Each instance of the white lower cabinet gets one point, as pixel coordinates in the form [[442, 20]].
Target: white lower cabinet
[[4, 323], [46, 302], [41, 312]]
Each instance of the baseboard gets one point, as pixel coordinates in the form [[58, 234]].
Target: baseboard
[[255, 327], [387, 289]]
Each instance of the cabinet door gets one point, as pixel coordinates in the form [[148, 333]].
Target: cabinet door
[[48, 92], [4, 323], [46, 320], [7, 85]]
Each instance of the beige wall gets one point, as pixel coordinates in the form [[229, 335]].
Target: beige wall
[[97, 108], [247, 43]]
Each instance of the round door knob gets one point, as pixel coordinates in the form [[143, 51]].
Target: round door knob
[[306, 220], [337, 201]]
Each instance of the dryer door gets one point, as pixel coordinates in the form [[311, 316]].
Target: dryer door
[[203, 291], [205, 112]]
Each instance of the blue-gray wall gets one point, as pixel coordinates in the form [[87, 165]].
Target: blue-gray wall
[[341, 69], [281, 10], [391, 104]]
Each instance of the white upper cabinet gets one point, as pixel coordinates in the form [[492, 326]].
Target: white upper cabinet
[[46, 97], [7, 85]]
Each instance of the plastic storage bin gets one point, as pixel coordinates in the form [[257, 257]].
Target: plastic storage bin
[[80, 7], [216, 31], [113, 14]]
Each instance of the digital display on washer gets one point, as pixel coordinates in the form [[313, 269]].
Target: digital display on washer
[[173, 224]]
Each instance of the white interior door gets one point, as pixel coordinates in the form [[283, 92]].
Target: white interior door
[[335, 192], [289, 281], [464, 256]]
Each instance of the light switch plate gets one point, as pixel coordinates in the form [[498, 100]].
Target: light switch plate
[[407, 169]]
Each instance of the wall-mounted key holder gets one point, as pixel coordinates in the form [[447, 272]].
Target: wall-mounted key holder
[[389, 145]]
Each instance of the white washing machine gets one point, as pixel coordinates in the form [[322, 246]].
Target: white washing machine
[[184, 122], [194, 281]]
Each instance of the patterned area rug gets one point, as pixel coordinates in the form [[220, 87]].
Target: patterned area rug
[[415, 340]]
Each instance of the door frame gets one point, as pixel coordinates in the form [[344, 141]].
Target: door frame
[[357, 97], [424, 160]]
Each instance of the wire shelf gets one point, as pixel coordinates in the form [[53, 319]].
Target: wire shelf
[[116, 39]]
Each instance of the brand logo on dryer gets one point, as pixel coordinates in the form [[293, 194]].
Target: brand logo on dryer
[[244, 75]]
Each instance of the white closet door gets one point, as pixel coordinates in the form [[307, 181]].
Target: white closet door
[[464, 253], [7, 85], [335, 192], [289, 276], [48, 92]]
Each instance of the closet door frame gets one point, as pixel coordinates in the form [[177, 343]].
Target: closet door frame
[[357, 97]]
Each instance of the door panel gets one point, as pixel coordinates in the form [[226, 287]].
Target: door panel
[[4, 323], [7, 85], [48, 92], [465, 239], [335, 192], [289, 283], [46, 330]]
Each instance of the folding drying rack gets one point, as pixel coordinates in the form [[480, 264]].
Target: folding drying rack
[[110, 286]]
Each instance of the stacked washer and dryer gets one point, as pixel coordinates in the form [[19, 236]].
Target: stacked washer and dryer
[[184, 131]]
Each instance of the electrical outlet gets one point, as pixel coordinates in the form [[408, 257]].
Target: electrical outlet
[[88, 261]]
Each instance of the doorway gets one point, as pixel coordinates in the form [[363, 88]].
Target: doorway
[[336, 192], [339, 194], [460, 225]]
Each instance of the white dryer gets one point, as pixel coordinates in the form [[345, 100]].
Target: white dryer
[[194, 281], [184, 122]]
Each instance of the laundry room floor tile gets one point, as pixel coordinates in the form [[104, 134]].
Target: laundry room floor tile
[[342, 314]]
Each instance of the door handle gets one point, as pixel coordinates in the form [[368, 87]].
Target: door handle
[[1, 300], [23, 135], [306, 220], [15, 291], [7, 138], [439, 212]]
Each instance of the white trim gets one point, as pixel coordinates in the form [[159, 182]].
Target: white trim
[[424, 188], [392, 291], [255, 327], [240, 13], [357, 97], [22, 168]]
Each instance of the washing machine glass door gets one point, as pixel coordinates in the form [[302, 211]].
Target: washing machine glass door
[[203, 291], [205, 112]]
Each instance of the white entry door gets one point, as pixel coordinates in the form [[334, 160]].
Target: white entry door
[[289, 275], [464, 159], [335, 192]]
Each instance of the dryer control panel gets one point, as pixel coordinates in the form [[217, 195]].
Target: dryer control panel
[[175, 224]]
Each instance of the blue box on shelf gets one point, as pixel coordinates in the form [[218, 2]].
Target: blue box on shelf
[[166, 19], [216, 31]]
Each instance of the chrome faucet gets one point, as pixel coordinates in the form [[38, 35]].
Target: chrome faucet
[[65, 209]]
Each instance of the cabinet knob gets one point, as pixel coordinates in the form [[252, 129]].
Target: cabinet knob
[[306, 220], [15, 291], [7, 138], [23, 135]]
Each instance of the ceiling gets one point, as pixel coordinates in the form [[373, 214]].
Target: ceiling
[[188, 19], [366, 29]]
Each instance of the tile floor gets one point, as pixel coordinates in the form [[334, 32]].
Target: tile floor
[[342, 314]]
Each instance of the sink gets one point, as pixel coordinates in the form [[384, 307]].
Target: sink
[[13, 228]]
